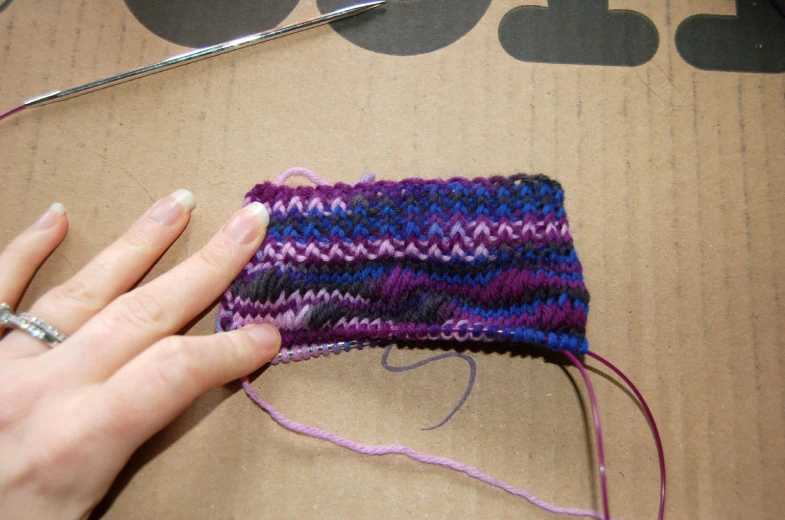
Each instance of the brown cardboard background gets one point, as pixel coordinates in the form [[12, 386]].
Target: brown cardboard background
[[675, 190]]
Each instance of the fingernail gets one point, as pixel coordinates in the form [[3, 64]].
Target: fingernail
[[169, 210], [50, 217], [248, 223], [265, 335]]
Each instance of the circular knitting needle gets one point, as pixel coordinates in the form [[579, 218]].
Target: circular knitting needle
[[195, 55]]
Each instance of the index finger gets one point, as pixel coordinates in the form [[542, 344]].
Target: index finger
[[164, 306]]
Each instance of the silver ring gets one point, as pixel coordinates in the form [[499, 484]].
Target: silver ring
[[33, 325]]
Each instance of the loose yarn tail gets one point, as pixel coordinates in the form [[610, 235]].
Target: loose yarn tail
[[314, 178], [395, 449], [301, 172], [445, 355]]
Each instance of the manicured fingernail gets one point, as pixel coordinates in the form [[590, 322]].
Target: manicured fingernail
[[50, 217], [248, 223], [265, 335], [169, 210]]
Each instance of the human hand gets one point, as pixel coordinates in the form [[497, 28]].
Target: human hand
[[72, 415]]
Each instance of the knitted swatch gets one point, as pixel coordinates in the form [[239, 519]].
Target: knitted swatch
[[489, 259]]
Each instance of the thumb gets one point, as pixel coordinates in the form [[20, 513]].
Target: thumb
[[159, 384]]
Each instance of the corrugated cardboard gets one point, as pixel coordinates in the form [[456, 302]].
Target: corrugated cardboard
[[676, 193]]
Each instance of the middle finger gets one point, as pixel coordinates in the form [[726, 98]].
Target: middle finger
[[165, 305]]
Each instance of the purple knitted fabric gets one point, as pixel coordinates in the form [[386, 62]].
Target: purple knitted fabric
[[489, 259]]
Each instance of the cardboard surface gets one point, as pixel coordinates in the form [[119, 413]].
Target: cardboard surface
[[676, 193]]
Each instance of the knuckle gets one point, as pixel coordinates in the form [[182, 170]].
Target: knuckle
[[177, 365], [15, 250], [61, 450], [140, 309], [214, 257], [120, 419], [237, 347], [139, 236], [20, 252], [76, 291]]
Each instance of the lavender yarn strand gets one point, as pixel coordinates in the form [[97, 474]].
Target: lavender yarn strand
[[396, 449], [469, 386]]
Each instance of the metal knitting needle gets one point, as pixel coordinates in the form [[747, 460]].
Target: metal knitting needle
[[194, 56]]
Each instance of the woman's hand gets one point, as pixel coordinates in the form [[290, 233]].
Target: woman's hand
[[72, 415]]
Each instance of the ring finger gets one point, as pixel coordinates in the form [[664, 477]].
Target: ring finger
[[110, 274], [25, 254]]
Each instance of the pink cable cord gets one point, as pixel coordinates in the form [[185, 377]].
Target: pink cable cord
[[652, 424], [12, 112], [395, 449], [595, 412]]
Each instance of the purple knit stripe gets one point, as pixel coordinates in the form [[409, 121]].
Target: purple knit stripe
[[475, 233], [256, 266], [508, 286], [552, 271], [245, 308], [535, 226], [289, 322], [350, 253], [360, 248], [339, 207], [294, 301], [470, 236], [272, 193], [444, 245], [514, 281], [471, 232], [529, 225], [266, 309], [566, 317], [315, 254]]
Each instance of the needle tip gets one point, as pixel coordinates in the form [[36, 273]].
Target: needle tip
[[366, 6], [352, 10]]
